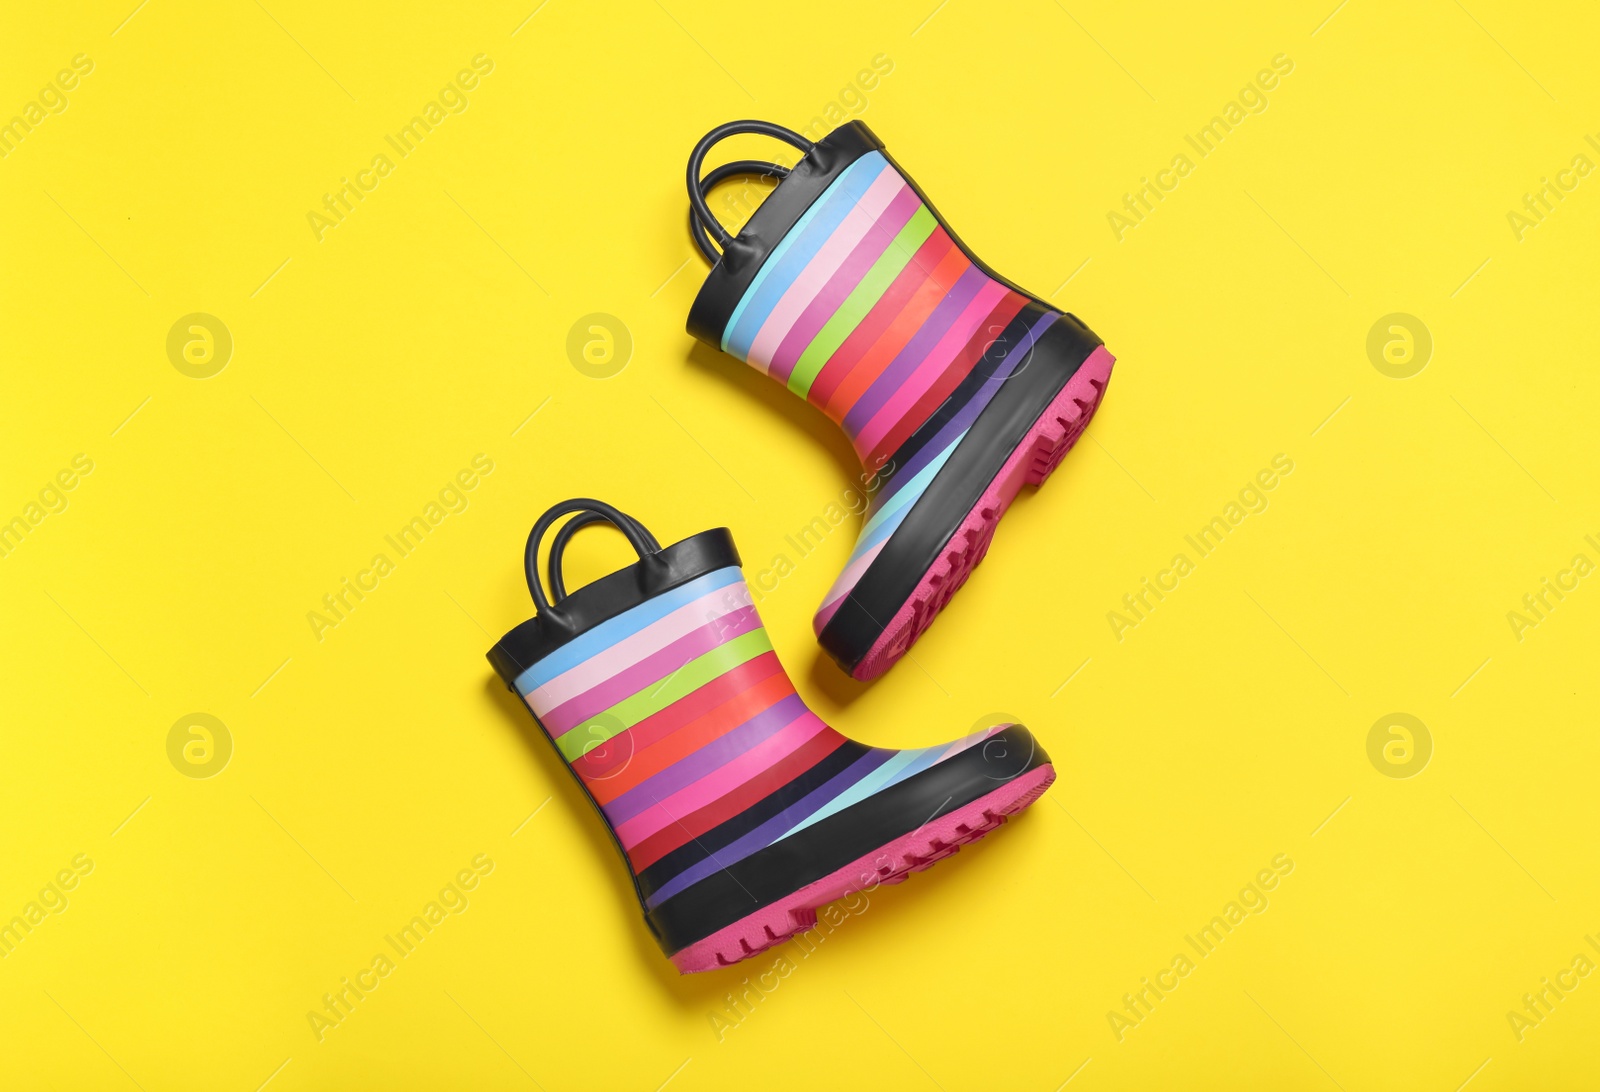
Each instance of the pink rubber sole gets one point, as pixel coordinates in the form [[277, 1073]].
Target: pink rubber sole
[[891, 863], [1039, 453]]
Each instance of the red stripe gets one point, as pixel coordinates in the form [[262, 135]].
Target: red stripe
[[930, 400], [879, 316], [770, 780], [918, 309], [633, 770], [637, 746]]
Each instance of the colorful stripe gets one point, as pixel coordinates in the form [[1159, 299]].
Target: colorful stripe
[[868, 309], [695, 744]]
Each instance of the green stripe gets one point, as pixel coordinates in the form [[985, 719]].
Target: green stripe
[[658, 695], [866, 294]]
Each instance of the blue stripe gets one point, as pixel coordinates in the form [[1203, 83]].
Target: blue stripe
[[620, 628], [876, 781], [891, 515], [931, 756], [790, 257]]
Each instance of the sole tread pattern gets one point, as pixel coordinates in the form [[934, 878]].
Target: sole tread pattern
[[892, 864], [1041, 451]]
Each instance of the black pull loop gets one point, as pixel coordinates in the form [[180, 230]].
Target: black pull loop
[[558, 547], [643, 543], [759, 167], [697, 188]]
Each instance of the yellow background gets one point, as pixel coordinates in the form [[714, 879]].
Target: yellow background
[[372, 765]]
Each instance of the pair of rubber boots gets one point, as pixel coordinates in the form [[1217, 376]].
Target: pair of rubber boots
[[738, 811]]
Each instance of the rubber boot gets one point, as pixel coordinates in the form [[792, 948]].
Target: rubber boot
[[737, 810], [954, 385]]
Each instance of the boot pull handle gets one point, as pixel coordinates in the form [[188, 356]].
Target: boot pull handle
[[698, 187], [558, 546], [589, 511], [717, 176]]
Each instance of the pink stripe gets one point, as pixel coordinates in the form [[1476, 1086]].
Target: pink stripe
[[827, 260], [662, 665], [933, 365], [964, 742], [852, 573], [753, 763], [973, 740], [629, 651]]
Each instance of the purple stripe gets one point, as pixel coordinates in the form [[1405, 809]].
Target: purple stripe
[[764, 835], [969, 412], [708, 759], [843, 282], [916, 350], [658, 665]]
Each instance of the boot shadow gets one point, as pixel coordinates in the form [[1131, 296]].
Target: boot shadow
[[830, 679], [692, 991], [863, 920], [780, 409], [777, 406]]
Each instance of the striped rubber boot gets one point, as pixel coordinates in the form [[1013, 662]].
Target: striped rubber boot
[[738, 811], [954, 385]]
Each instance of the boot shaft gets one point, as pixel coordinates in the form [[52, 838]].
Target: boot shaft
[[866, 305], [673, 705]]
